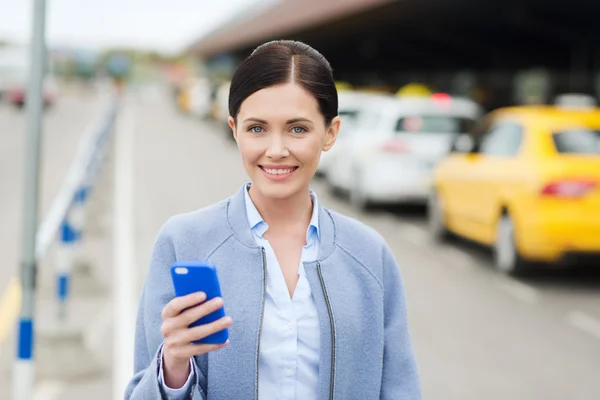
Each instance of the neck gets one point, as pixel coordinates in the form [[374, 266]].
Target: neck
[[282, 213]]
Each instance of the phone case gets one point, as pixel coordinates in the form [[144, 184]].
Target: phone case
[[196, 276]]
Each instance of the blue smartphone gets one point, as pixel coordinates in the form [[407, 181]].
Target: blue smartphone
[[197, 276]]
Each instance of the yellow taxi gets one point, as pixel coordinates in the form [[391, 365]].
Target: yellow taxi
[[525, 182], [183, 97]]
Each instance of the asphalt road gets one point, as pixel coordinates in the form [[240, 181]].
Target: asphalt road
[[477, 335]]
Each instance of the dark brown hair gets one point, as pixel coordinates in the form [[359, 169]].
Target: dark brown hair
[[283, 61]]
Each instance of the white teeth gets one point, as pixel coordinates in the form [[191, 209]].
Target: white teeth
[[278, 171]]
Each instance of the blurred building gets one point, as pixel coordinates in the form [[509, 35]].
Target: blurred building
[[498, 52]]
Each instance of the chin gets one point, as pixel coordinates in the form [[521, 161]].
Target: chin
[[277, 190]]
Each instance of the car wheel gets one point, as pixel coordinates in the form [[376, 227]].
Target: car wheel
[[506, 255], [436, 221]]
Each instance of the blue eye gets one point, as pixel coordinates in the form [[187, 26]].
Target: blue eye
[[256, 129], [298, 129]]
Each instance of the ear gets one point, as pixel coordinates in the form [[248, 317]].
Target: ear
[[231, 123], [332, 133]]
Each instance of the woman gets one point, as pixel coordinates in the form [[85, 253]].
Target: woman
[[314, 300]]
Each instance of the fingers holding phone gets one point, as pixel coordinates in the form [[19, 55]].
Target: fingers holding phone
[[180, 333], [179, 314], [194, 322]]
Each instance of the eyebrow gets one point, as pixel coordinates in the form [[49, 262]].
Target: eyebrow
[[289, 121]]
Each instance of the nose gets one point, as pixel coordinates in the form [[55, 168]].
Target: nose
[[277, 148]]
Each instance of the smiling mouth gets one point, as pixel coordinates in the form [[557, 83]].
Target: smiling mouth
[[278, 171]]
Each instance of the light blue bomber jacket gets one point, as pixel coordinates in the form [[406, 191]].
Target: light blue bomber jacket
[[366, 350]]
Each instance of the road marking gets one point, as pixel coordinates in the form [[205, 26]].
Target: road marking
[[518, 290], [124, 256], [10, 305], [584, 322], [49, 390]]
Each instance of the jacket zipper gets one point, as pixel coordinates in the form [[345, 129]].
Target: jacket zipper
[[331, 385], [262, 313]]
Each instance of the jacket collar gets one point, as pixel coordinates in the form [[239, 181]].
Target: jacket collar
[[259, 226], [238, 223]]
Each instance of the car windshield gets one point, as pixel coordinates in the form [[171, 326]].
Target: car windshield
[[348, 115], [577, 141], [367, 120], [433, 124]]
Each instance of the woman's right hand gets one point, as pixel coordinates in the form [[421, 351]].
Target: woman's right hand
[[178, 337]]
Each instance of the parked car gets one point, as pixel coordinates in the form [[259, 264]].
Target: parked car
[[200, 98], [220, 109], [351, 104], [390, 156], [16, 92], [526, 182], [194, 97], [14, 71]]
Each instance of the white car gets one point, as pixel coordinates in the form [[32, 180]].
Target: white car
[[221, 109], [16, 91], [390, 156], [14, 71], [351, 103], [200, 98]]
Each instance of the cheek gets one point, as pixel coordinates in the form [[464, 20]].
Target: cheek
[[249, 150], [308, 151]]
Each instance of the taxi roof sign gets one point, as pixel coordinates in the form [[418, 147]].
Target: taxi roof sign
[[342, 86], [414, 90]]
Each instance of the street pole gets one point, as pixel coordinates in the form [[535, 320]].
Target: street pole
[[24, 368]]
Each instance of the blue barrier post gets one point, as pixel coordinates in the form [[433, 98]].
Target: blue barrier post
[[68, 238], [71, 233], [77, 212]]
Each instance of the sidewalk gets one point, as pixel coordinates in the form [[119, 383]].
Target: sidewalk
[[74, 357]]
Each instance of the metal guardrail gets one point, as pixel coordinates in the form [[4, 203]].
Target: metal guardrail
[[66, 218], [65, 221], [79, 181]]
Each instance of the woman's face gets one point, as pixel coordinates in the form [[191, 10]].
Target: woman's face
[[280, 134]]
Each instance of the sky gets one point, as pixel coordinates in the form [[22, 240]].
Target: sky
[[165, 25]]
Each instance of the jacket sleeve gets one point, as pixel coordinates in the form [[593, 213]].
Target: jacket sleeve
[[175, 394], [156, 293], [400, 378]]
